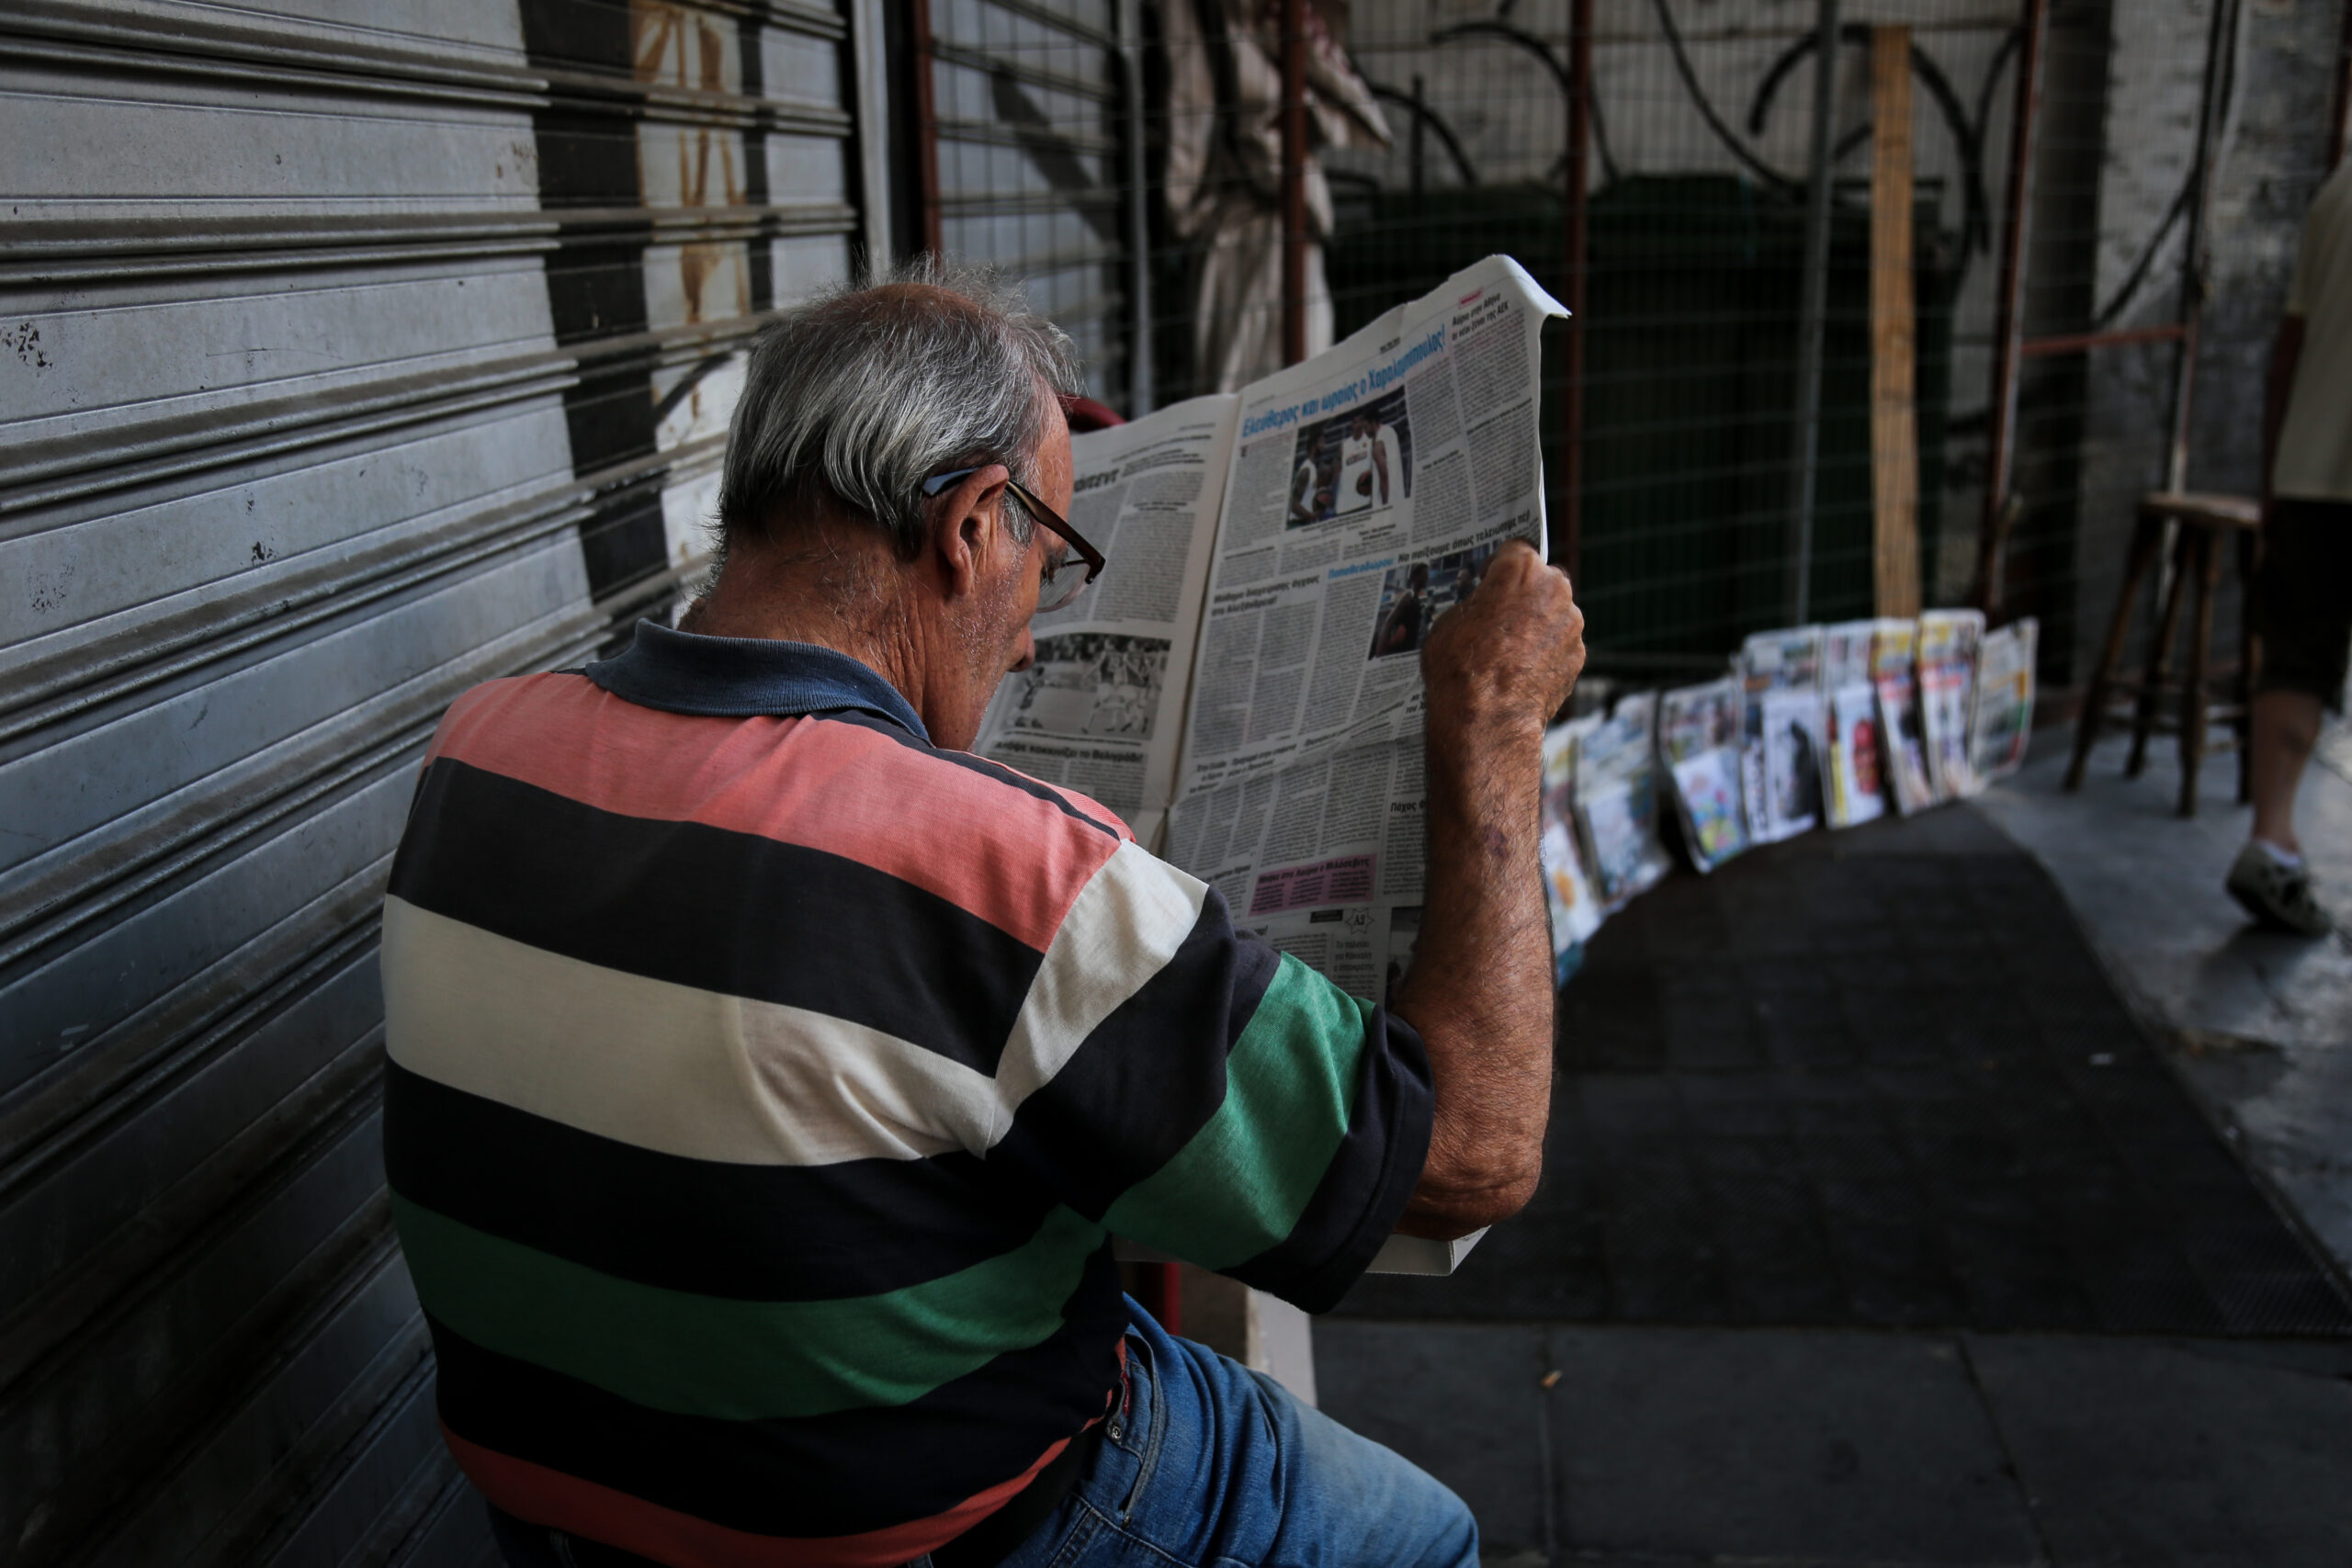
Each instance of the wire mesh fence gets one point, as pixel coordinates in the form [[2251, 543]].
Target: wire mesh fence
[[1654, 163]]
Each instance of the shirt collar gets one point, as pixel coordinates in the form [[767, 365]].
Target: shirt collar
[[739, 677]]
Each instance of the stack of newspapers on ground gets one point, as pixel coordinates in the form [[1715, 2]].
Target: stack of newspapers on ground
[[1816, 726]]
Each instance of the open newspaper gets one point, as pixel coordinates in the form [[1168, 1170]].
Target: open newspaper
[[1243, 681]]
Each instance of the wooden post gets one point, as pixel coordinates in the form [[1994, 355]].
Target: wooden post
[[1894, 435]]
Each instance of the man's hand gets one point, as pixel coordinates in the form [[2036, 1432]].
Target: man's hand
[[1497, 667], [1510, 654]]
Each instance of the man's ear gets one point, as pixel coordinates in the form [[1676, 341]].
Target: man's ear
[[961, 531]]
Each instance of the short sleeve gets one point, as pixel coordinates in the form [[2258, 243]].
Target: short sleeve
[[1230, 1107]]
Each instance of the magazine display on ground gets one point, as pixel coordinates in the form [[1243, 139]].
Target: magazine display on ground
[[1699, 732], [1780, 743], [1948, 644], [1615, 777], [1243, 685]]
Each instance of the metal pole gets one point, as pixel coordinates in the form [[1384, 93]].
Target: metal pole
[[926, 125], [2009, 326], [2336, 129], [1812, 308], [1293, 181], [2218, 45], [1141, 372], [1579, 155]]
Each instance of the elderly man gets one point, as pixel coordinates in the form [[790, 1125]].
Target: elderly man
[[768, 1072]]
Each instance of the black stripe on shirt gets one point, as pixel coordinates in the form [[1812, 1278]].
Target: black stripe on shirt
[[1369, 1180], [750, 1232], [821, 1475], [721, 911], [1150, 1075]]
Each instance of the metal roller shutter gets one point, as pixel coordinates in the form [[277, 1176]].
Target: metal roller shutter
[[1036, 120], [353, 354]]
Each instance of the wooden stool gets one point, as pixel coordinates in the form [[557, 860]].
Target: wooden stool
[[2202, 522]]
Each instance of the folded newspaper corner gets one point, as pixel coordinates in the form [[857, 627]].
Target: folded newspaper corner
[[1242, 685]]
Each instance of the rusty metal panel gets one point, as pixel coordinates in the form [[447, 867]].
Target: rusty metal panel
[[351, 354]]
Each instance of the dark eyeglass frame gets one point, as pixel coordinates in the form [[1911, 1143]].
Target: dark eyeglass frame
[[1047, 518]]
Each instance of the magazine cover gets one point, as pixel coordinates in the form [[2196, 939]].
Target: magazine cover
[[1948, 643], [2002, 721], [1706, 785], [1858, 781], [1852, 776], [1908, 786], [1567, 892], [1787, 665], [1617, 800], [1698, 738]]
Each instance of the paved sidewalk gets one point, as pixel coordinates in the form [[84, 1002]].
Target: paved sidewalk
[[1843, 1134], [2259, 1024]]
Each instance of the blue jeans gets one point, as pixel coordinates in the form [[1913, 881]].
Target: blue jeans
[[1212, 1466], [1208, 1465]]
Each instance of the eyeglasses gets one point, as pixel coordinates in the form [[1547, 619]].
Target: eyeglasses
[[1060, 584]]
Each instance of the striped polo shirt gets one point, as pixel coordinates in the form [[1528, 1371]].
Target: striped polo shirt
[[766, 1082]]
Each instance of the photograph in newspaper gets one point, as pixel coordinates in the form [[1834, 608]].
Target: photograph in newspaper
[[1909, 787], [1086, 684], [2002, 724], [1358, 460], [1946, 679], [1698, 740], [1413, 597]]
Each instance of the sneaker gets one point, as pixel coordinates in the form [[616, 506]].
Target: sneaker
[[2275, 892]]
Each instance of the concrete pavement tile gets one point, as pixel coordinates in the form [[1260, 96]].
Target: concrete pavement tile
[[2164, 1457], [1797, 1446], [1465, 1403]]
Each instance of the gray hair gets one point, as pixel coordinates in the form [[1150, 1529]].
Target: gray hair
[[858, 396]]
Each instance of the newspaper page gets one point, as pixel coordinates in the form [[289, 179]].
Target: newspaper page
[[2003, 722], [1367, 488], [1894, 660], [1783, 741], [1098, 711], [1617, 800], [1698, 741], [1856, 793], [1947, 642]]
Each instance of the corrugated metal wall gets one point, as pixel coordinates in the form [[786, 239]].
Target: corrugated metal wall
[[354, 354], [1037, 110]]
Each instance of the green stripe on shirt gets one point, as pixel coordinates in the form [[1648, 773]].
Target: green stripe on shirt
[[1241, 1183], [742, 1360]]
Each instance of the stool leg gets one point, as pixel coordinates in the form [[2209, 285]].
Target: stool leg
[[2158, 669], [2207, 557], [2118, 625], [2249, 660]]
